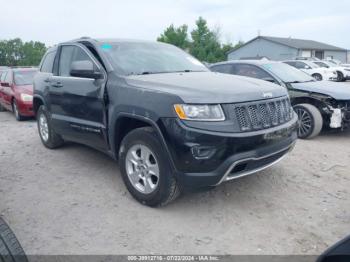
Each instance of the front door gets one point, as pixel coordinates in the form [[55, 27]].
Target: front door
[[77, 104]]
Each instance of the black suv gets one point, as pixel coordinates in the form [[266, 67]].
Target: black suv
[[168, 120], [318, 103]]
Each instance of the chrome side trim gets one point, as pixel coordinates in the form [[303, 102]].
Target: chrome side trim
[[242, 174]]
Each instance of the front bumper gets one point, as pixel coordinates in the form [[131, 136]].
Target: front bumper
[[25, 108], [225, 156]]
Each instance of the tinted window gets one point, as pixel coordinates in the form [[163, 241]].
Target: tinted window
[[287, 73], [321, 64], [226, 69], [24, 77], [132, 58], [65, 60], [70, 54], [3, 75], [290, 63], [48, 62], [250, 71], [8, 77], [301, 65]]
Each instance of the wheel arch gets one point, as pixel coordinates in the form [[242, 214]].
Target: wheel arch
[[37, 102], [125, 123], [310, 100]]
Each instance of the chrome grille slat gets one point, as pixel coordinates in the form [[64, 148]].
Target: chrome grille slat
[[263, 114]]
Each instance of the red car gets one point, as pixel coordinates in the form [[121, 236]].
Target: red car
[[16, 91]]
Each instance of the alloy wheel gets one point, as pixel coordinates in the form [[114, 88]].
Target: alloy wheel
[[305, 122], [142, 168], [43, 128]]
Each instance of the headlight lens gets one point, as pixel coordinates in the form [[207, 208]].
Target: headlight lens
[[199, 112], [26, 98]]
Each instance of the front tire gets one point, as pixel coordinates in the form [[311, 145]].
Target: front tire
[[146, 169], [318, 77], [10, 248], [15, 109], [2, 109], [310, 121], [47, 134]]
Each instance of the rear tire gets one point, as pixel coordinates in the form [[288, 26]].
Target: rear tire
[[340, 76], [10, 248], [2, 109], [318, 77], [47, 134], [16, 111], [148, 176], [310, 121]]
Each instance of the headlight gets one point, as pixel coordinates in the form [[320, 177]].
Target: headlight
[[26, 98], [199, 112]]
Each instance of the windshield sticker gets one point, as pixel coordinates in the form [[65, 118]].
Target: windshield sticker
[[106, 46], [193, 61]]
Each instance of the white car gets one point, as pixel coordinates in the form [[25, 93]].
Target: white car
[[313, 70], [343, 72]]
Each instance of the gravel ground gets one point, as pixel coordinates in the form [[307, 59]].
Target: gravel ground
[[72, 201]]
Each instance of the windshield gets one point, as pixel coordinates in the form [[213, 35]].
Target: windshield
[[287, 73], [24, 77], [150, 58]]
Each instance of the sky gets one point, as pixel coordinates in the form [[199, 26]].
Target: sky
[[52, 22]]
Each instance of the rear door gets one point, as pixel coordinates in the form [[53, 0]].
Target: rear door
[[77, 104], [2, 79], [7, 91]]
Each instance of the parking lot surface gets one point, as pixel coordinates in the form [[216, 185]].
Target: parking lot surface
[[72, 201]]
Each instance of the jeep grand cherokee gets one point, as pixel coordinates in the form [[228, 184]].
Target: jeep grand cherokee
[[168, 120]]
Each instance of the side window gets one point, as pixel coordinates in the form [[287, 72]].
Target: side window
[[290, 63], [70, 54], [8, 77], [65, 60], [3, 75], [301, 65], [47, 64], [251, 71], [226, 69]]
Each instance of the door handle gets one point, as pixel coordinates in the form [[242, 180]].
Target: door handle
[[57, 84], [47, 80]]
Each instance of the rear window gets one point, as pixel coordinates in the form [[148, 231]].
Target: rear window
[[24, 77]]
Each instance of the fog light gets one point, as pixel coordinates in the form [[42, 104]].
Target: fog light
[[203, 152]]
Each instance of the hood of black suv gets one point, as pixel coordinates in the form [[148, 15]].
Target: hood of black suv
[[208, 87], [338, 91]]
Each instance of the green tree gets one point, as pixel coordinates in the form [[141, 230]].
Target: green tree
[[32, 52], [175, 36], [16, 53], [205, 45]]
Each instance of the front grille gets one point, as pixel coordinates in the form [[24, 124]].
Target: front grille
[[263, 114]]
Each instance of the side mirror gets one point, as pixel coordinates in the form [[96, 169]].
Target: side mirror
[[269, 79], [84, 69]]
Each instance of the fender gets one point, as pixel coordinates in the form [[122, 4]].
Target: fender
[[149, 121], [36, 96]]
